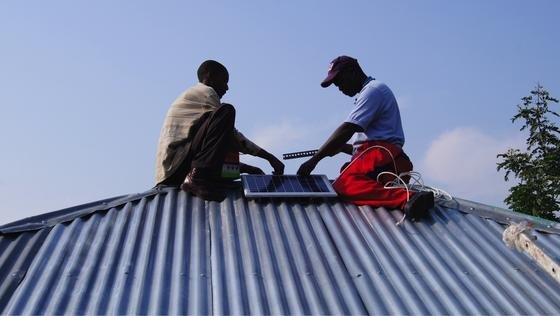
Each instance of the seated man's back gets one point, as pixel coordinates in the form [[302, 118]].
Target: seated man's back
[[198, 134]]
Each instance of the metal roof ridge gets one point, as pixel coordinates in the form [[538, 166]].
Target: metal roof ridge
[[50, 219], [501, 215]]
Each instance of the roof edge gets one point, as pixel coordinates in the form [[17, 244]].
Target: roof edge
[[67, 214], [50, 219], [501, 215]]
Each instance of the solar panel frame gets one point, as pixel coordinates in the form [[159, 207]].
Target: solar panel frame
[[256, 186]]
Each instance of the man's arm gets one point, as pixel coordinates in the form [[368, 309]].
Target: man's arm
[[245, 168], [248, 147], [347, 149], [276, 164], [335, 144]]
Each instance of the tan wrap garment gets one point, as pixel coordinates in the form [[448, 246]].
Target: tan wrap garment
[[176, 130]]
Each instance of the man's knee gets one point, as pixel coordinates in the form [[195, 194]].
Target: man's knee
[[224, 115], [227, 109]]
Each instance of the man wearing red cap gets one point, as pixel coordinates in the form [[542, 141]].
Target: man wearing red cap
[[377, 147]]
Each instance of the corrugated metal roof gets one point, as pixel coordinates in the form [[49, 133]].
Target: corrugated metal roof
[[166, 252]]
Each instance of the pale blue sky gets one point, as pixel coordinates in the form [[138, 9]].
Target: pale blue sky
[[85, 86]]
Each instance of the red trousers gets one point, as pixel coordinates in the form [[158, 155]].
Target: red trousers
[[358, 184]]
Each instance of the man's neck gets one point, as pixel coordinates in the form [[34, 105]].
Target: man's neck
[[366, 80]]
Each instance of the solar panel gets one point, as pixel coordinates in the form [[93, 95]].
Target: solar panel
[[287, 186]]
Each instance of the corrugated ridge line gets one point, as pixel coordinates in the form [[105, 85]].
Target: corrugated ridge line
[[155, 297], [123, 243], [136, 279], [474, 265], [48, 268], [93, 269], [132, 257], [114, 250], [433, 278], [530, 278], [262, 252], [228, 288], [389, 266], [490, 256], [191, 289], [175, 277], [325, 264], [479, 268], [488, 246], [283, 259], [153, 255], [200, 298], [77, 247], [37, 288], [360, 265], [431, 293], [550, 243], [395, 265], [415, 293], [186, 271], [490, 243], [489, 253], [17, 252], [450, 266], [228, 270]]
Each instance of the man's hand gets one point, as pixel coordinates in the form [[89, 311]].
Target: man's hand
[[277, 165], [308, 166], [335, 144]]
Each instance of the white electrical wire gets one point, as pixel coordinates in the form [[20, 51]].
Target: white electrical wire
[[416, 183]]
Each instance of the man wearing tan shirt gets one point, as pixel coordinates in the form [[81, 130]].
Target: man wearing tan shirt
[[198, 135]]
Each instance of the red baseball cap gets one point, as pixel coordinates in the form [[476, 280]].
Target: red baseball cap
[[337, 65]]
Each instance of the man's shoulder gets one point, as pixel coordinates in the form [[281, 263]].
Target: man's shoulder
[[376, 85], [198, 89], [376, 89], [198, 93], [371, 90]]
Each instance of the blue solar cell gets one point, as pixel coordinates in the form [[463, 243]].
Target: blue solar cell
[[287, 185]]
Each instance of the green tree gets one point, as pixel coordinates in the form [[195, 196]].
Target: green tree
[[538, 167]]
